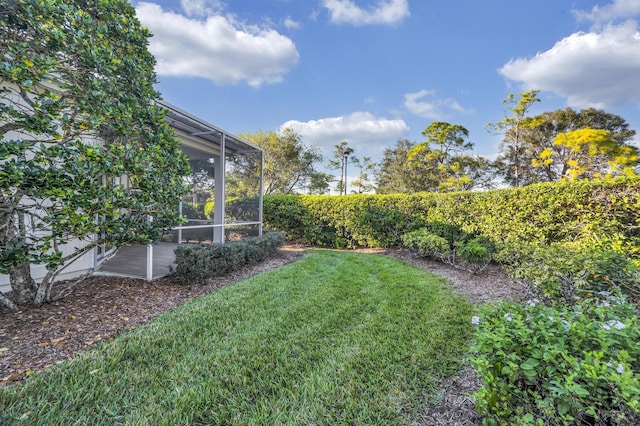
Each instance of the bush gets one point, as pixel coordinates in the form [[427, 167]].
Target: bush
[[208, 209], [568, 273], [544, 365], [603, 214], [450, 245], [193, 210], [426, 244], [199, 262], [244, 209]]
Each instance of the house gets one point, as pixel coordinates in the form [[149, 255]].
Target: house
[[210, 147]]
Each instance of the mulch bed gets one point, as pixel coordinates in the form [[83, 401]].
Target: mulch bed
[[33, 338]]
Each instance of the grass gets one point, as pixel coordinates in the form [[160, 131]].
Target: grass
[[336, 338]]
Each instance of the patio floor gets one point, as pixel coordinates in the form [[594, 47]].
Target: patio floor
[[131, 261]]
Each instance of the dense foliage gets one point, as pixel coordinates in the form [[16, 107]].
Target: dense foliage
[[440, 164], [290, 166], [603, 214], [86, 154], [572, 144], [543, 365], [198, 262], [451, 245]]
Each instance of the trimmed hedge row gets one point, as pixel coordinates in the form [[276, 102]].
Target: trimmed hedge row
[[198, 262], [601, 213]]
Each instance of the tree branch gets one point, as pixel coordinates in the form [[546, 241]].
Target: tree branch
[[7, 302]]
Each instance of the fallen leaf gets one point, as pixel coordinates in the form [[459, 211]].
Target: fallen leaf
[[3, 350]]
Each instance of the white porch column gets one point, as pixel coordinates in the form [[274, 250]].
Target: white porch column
[[149, 262], [149, 257], [219, 192], [260, 195]]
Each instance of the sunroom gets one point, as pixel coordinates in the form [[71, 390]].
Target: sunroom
[[225, 201]]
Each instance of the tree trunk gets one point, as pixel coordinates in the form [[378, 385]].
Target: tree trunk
[[22, 284]]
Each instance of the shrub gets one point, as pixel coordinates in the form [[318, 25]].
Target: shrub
[[601, 213], [450, 245], [193, 210], [208, 209], [424, 243], [290, 214], [544, 365], [243, 209], [568, 273], [478, 250], [198, 262], [382, 226]]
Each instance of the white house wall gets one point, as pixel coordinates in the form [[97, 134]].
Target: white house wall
[[81, 266], [84, 263]]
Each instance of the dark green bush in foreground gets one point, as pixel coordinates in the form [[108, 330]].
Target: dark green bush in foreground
[[198, 262], [575, 365]]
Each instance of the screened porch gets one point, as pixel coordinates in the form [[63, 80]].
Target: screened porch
[[224, 203]]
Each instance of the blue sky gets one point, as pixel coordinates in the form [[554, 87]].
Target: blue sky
[[374, 71]]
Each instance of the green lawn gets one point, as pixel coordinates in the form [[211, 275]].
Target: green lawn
[[336, 338]]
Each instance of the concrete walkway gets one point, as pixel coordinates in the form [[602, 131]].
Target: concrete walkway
[[131, 261]]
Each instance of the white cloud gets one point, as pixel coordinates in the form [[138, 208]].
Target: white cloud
[[598, 69], [619, 9], [434, 109], [201, 8], [216, 48], [291, 24], [384, 12], [368, 135]]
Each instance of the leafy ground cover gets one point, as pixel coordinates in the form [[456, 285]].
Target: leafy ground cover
[[336, 338]]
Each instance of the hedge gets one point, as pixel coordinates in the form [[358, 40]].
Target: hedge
[[601, 213], [198, 262]]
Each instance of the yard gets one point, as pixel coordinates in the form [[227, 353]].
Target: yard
[[337, 337]]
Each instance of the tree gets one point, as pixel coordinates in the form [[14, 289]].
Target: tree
[[87, 156], [596, 153], [441, 163], [547, 158], [340, 161], [513, 126], [289, 164], [435, 165], [201, 180], [393, 175], [320, 183], [366, 168]]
